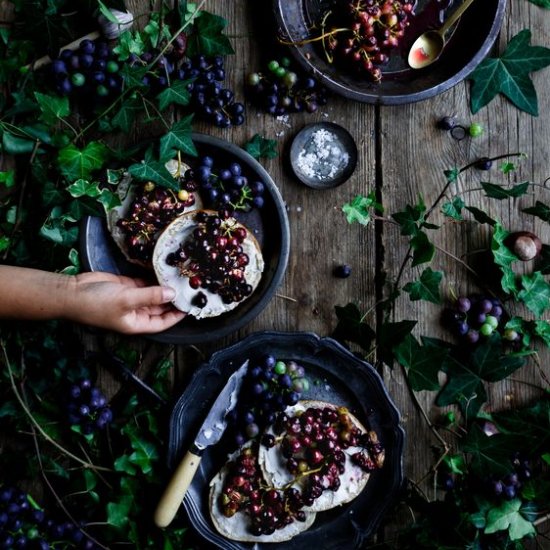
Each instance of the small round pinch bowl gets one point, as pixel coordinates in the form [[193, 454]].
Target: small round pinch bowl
[[269, 225], [336, 376], [323, 155]]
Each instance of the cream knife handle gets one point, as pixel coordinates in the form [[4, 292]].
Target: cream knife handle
[[176, 489]]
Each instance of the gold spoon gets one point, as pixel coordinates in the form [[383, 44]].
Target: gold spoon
[[429, 45]]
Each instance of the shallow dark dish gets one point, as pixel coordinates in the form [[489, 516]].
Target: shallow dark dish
[[338, 377], [269, 225], [469, 44], [303, 143]]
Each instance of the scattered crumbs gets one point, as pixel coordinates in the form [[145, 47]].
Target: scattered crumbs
[[284, 119], [298, 209], [280, 134], [322, 157], [325, 115], [327, 387]]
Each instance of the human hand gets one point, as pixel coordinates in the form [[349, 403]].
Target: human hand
[[120, 303]]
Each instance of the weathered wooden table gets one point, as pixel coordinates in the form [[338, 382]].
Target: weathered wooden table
[[401, 156]]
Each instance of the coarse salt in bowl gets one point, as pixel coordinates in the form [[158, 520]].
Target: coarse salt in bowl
[[323, 155]]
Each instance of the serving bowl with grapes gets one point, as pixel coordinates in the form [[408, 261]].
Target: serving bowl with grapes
[[388, 80], [333, 375], [268, 223]]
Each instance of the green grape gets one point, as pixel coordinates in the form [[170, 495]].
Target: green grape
[[78, 79], [486, 329], [280, 72], [112, 67], [102, 91], [273, 65], [285, 62], [280, 367], [492, 321], [475, 129]]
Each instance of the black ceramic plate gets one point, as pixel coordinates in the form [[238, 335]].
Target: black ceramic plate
[[337, 376], [269, 225], [469, 43]]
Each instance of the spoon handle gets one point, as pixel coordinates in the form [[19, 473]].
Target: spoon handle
[[455, 17]]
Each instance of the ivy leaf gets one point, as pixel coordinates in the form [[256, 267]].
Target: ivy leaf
[[504, 258], [260, 147], [509, 75], [208, 38], [536, 293], [490, 364], [451, 175], [480, 216], [7, 179], [500, 192], [507, 517], [118, 512], [540, 210], [423, 249], [543, 262], [84, 188], [126, 115], [423, 366], [144, 456], [352, 328], [490, 455], [76, 164], [391, 335], [358, 210], [155, 171], [107, 13], [52, 108], [542, 330], [178, 139], [177, 93], [426, 288], [410, 218], [453, 209], [507, 167], [541, 3], [129, 43]]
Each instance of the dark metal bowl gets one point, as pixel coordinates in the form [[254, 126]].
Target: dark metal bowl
[[269, 225], [470, 42], [336, 376]]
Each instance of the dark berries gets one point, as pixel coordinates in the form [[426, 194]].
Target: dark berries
[[484, 163], [342, 271], [446, 123]]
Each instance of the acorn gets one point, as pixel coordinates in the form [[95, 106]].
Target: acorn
[[524, 244]]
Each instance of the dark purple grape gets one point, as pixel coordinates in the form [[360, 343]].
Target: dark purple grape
[[463, 304]]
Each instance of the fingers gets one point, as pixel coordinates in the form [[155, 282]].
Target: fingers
[[158, 323], [149, 296]]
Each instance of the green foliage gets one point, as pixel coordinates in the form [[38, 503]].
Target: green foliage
[[500, 192], [178, 138], [359, 209], [260, 147], [426, 287], [177, 93], [207, 37], [509, 75], [77, 163]]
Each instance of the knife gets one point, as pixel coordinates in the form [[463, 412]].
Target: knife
[[209, 434]]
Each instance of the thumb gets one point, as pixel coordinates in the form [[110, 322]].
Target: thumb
[[151, 296]]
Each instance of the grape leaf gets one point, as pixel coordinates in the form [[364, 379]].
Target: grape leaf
[[351, 327], [536, 293], [176, 93], [453, 209], [52, 108], [508, 517], [504, 258], [500, 192], [509, 75], [126, 115], [118, 512], [260, 147], [358, 210], [540, 210], [427, 287], [76, 164], [178, 139], [207, 37], [422, 366]]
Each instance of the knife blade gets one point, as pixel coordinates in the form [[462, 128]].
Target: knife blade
[[209, 434]]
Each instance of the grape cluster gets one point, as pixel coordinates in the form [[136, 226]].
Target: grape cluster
[[211, 101], [509, 486], [361, 37], [474, 317], [89, 71], [313, 445], [87, 407], [245, 490], [23, 524], [151, 210], [279, 90], [226, 187], [270, 385], [213, 259]]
